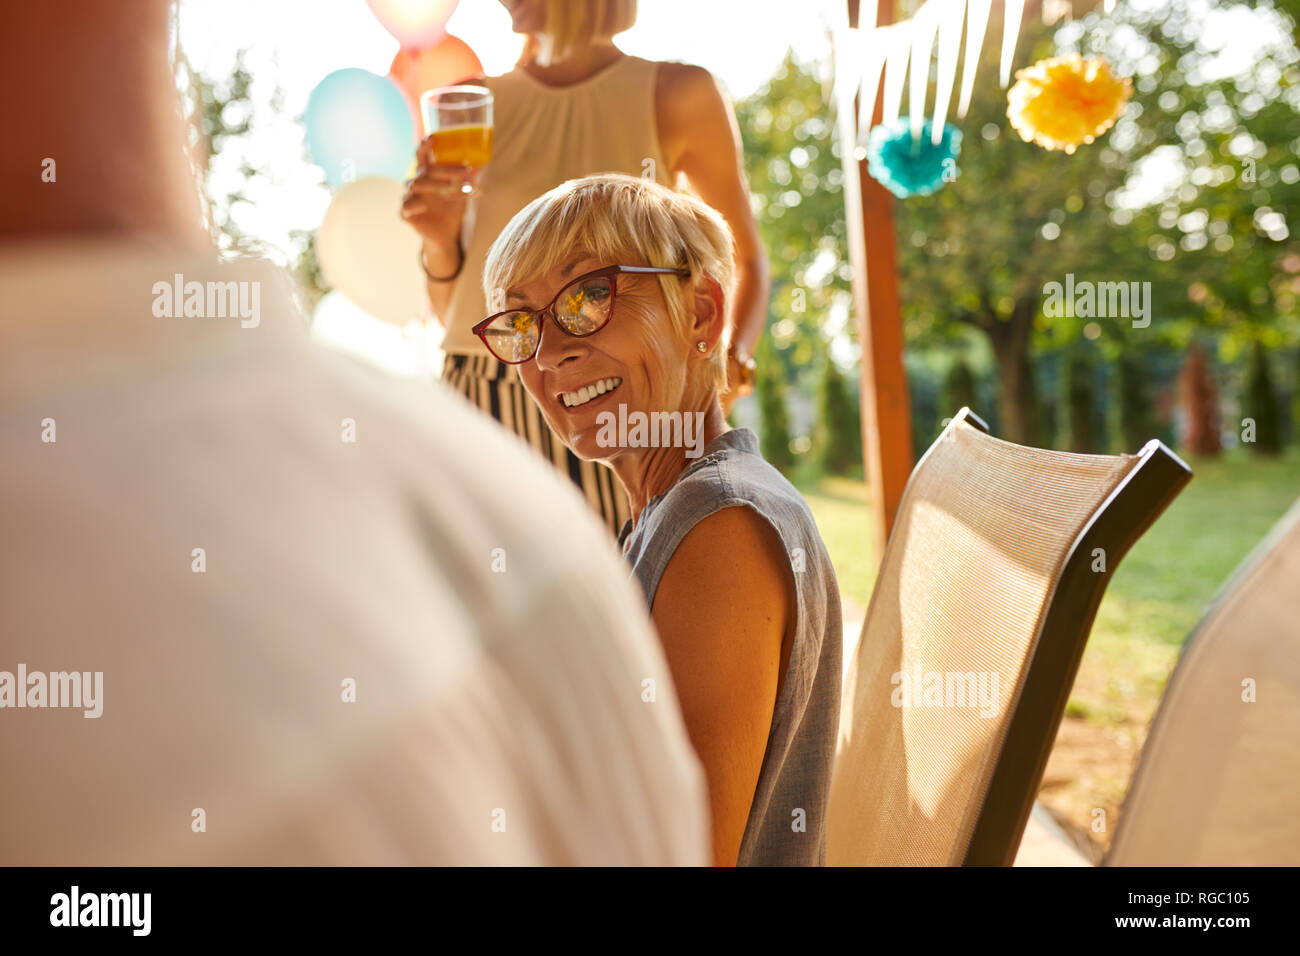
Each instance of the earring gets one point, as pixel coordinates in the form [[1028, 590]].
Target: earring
[[702, 345]]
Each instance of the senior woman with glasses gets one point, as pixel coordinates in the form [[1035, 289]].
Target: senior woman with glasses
[[609, 295], [574, 105]]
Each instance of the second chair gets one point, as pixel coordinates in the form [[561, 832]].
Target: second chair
[[991, 578]]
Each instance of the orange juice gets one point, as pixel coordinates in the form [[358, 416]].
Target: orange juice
[[463, 145]]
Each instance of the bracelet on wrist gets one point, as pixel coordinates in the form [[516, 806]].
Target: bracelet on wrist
[[460, 264]]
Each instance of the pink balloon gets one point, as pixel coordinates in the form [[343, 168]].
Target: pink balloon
[[450, 61], [417, 24]]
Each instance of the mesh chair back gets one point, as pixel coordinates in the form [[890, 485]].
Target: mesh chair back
[[991, 577]]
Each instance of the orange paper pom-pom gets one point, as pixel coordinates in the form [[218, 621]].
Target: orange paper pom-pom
[[1066, 101]]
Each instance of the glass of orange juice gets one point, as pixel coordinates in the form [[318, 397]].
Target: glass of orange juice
[[459, 118]]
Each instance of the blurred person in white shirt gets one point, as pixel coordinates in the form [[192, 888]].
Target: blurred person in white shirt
[[327, 618]]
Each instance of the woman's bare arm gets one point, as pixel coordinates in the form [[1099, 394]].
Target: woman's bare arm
[[723, 609], [700, 139]]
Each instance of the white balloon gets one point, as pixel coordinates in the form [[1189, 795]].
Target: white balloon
[[369, 253]]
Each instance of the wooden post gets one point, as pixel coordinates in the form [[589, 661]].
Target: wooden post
[[886, 408]]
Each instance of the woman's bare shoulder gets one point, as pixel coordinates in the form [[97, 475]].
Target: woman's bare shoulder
[[734, 548], [691, 109], [684, 81]]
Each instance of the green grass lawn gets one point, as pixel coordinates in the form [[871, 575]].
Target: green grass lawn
[[1172, 574], [842, 507], [1160, 591]]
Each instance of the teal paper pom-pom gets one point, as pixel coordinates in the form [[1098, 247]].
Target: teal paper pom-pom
[[907, 166]]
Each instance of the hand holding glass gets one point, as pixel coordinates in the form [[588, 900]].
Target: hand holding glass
[[459, 120]]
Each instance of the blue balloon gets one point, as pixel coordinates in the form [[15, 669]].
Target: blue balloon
[[358, 125]]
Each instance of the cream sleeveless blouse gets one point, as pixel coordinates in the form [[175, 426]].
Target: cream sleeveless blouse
[[544, 136]]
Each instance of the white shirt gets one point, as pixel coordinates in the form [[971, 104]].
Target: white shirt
[[516, 717]]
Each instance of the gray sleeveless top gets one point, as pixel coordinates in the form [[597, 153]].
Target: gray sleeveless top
[[787, 820]]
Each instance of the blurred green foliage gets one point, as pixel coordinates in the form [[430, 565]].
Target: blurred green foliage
[[792, 161], [770, 389], [958, 388], [1195, 191], [221, 110], [837, 444], [1261, 404], [1079, 404]]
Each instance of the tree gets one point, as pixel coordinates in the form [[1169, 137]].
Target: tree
[[1200, 400], [1229, 213], [958, 388], [220, 110], [770, 387], [223, 114], [839, 426], [980, 250], [1078, 401], [796, 183], [1130, 408], [1295, 398], [1261, 403]]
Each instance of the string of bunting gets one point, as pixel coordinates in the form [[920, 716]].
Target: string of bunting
[[1058, 103]]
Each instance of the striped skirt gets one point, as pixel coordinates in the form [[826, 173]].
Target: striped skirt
[[496, 389]]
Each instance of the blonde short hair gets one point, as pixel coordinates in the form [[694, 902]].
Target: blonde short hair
[[620, 220], [571, 24]]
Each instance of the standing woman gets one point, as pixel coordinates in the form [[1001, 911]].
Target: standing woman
[[575, 105]]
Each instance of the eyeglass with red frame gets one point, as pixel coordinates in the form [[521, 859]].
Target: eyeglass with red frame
[[585, 307]]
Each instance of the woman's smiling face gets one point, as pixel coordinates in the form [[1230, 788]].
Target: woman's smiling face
[[638, 360]]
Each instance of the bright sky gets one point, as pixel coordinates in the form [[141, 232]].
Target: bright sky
[[314, 38]]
